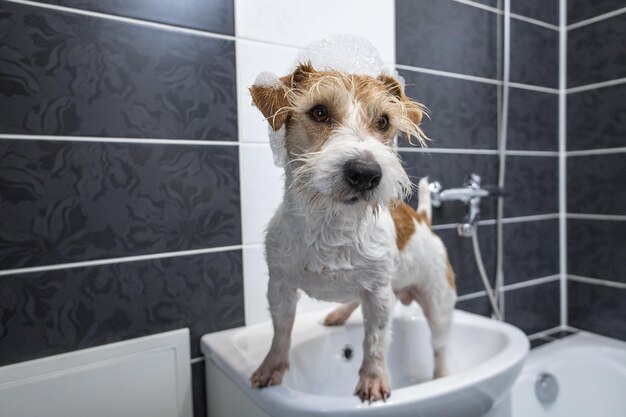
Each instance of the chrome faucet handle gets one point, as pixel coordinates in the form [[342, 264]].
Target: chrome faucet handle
[[473, 181], [435, 193]]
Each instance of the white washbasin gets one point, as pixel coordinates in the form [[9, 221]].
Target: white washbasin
[[484, 358]]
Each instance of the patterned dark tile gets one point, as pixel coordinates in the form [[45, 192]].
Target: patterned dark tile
[[531, 250], [446, 35], [595, 184], [597, 308], [532, 184], [596, 249], [67, 74], [544, 10], [74, 201], [452, 170], [461, 255], [578, 10], [463, 114], [533, 120], [198, 379], [535, 308], [597, 118], [478, 305], [597, 52], [52, 312], [210, 15], [534, 54]]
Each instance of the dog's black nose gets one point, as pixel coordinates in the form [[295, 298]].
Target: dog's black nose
[[362, 175]]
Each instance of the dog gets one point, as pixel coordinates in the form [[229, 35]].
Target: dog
[[342, 232]]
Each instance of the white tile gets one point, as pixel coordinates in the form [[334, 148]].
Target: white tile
[[261, 190], [299, 23], [255, 289], [252, 59]]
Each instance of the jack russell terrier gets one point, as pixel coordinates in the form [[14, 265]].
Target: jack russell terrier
[[342, 232]]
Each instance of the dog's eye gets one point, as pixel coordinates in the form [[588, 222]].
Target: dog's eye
[[319, 113], [382, 123]]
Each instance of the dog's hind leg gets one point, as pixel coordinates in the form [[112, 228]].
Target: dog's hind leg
[[338, 316]]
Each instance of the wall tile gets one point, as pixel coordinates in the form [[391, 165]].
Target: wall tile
[[596, 52], [533, 121], [68, 74], [75, 201], [461, 255], [534, 54], [578, 10], [595, 184], [252, 59], [463, 114], [596, 249], [544, 10], [52, 312], [597, 308], [452, 170], [597, 118], [531, 250], [535, 308], [478, 305], [283, 22], [532, 184], [198, 380], [446, 35], [210, 15], [262, 186]]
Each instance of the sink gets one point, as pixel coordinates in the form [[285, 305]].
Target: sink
[[484, 358]]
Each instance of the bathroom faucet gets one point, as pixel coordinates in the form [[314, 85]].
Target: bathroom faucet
[[470, 194]]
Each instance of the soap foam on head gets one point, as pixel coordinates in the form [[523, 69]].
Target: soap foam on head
[[347, 53]]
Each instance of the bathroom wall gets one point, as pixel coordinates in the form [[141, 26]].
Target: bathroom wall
[[596, 166]]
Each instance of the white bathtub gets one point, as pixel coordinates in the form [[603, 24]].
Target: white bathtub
[[591, 374]]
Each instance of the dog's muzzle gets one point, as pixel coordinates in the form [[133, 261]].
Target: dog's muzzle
[[362, 175]]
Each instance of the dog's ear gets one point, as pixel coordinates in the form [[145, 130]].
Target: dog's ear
[[413, 110], [273, 99]]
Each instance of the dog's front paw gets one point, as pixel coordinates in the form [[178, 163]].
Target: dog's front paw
[[269, 374], [373, 388]]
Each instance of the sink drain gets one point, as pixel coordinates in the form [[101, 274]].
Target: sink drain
[[347, 352], [546, 388]]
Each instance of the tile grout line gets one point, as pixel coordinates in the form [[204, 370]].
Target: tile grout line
[[101, 139], [513, 15], [467, 151], [595, 86], [544, 333], [124, 19], [512, 287], [597, 18], [602, 151], [563, 161], [601, 217], [121, 259], [597, 281], [197, 359]]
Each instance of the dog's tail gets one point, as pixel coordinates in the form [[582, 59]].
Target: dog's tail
[[423, 196]]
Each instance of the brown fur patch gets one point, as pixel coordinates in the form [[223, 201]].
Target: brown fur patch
[[403, 216], [451, 276]]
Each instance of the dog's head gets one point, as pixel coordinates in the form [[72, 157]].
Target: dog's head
[[340, 132]]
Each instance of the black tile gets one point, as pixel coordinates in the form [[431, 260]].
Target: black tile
[[532, 184], [452, 170], [544, 10], [597, 118], [534, 309], [198, 379], [478, 305], [463, 114], [540, 342], [596, 249], [534, 54], [560, 334], [531, 250], [596, 185], [75, 201], [461, 255], [597, 308], [533, 120], [210, 15], [46, 313], [446, 35], [597, 52], [578, 10], [68, 74], [491, 3]]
